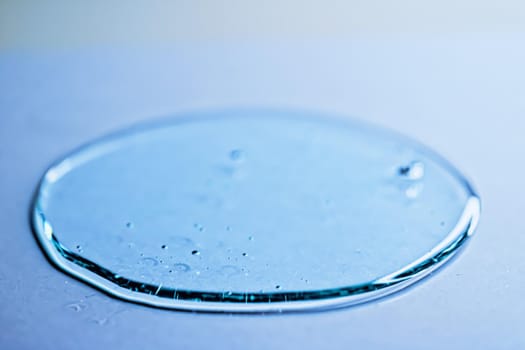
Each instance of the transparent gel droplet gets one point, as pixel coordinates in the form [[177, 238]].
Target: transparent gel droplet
[[343, 212]]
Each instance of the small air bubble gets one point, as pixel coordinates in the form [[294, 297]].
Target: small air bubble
[[236, 155], [77, 307], [413, 192], [148, 261], [198, 227], [180, 267], [101, 322], [413, 171]]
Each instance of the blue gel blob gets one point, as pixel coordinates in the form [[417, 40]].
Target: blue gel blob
[[252, 211]]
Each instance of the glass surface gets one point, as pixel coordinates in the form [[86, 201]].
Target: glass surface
[[252, 211]]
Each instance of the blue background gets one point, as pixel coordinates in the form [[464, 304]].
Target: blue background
[[463, 95]]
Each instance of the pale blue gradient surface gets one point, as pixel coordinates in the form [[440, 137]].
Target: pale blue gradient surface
[[462, 96]]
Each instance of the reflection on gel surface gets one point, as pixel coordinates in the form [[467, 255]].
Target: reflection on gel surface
[[252, 211]]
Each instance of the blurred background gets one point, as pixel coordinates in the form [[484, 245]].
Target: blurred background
[[448, 73], [54, 24]]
